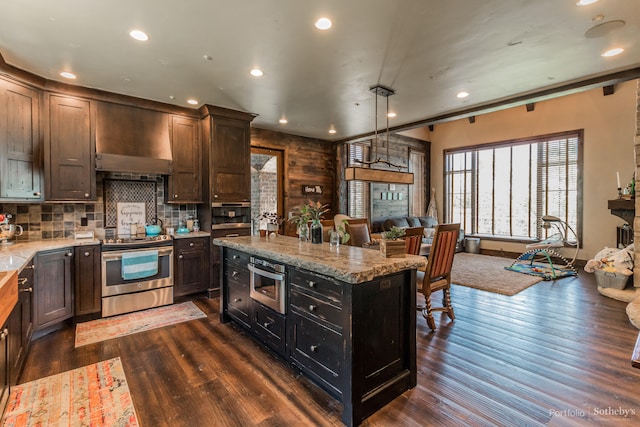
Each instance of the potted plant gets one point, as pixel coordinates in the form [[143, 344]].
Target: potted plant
[[301, 220], [392, 244], [313, 212]]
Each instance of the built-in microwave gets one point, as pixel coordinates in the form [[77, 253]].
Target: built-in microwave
[[268, 283]]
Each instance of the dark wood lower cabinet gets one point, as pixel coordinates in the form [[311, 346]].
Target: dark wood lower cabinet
[[191, 261], [87, 281], [53, 299], [21, 324], [356, 341]]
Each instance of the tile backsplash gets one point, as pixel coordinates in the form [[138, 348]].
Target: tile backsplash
[[61, 220]]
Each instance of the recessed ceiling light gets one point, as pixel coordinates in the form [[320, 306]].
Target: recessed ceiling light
[[462, 94], [391, 115], [585, 2], [283, 121], [323, 23], [192, 101], [256, 72], [613, 52], [68, 75], [139, 35], [332, 131]]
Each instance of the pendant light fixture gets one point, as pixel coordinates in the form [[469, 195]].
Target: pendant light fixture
[[366, 172]]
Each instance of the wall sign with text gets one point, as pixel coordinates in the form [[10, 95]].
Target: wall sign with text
[[311, 189]]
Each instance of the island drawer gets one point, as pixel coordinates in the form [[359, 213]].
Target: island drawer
[[319, 309], [195, 243], [312, 283], [270, 327], [238, 301], [318, 350], [236, 258]]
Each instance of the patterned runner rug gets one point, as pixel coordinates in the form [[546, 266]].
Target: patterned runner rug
[[132, 323], [95, 395]]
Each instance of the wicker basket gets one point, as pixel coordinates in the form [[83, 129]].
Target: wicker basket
[[608, 279]]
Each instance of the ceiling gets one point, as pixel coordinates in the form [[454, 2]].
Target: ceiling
[[427, 50]]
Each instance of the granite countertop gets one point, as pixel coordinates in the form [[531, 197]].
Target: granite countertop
[[23, 252], [346, 263]]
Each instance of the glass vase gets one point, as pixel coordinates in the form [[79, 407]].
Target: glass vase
[[316, 231], [303, 232]]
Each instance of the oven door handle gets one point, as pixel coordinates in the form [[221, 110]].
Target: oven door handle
[[116, 255], [264, 273]]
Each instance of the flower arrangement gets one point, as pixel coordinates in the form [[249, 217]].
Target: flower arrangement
[[271, 219], [311, 211]]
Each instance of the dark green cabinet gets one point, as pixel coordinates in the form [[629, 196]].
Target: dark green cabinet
[[20, 171]]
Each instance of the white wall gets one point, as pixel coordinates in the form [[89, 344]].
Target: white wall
[[609, 132]]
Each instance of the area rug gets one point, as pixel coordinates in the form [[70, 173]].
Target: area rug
[[95, 395], [488, 273], [132, 323]]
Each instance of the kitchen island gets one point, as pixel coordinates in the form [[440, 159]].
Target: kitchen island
[[344, 316]]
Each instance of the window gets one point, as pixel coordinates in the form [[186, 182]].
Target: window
[[418, 199], [358, 190], [502, 190]]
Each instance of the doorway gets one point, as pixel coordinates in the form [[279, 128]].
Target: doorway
[[267, 187]]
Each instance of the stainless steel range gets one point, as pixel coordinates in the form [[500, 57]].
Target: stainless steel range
[[137, 273]]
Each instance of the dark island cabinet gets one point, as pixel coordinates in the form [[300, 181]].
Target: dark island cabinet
[[236, 276], [87, 281], [53, 299], [191, 265], [355, 341], [21, 323], [20, 171], [184, 185]]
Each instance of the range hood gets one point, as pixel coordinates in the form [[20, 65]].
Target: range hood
[[131, 139]]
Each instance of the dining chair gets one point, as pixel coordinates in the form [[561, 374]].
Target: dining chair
[[413, 240], [358, 229], [436, 276]]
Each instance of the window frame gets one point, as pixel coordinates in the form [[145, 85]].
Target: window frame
[[540, 234]]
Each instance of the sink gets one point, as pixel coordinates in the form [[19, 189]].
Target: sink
[[11, 262]]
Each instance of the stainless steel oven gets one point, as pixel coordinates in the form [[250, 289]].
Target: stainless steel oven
[[124, 293], [268, 283]]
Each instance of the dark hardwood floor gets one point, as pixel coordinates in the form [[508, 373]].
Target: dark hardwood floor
[[557, 354]]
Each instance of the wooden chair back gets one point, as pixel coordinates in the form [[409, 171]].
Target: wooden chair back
[[358, 229], [442, 251]]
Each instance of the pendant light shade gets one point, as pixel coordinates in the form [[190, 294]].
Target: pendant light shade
[[366, 172]]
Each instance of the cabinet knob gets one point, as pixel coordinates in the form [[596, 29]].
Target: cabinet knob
[[237, 299], [86, 194], [4, 334], [32, 267], [180, 256], [236, 256], [312, 284], [175, 196], [191, 244], [234, 274], [37, 194], [26, 290], [313, 307], [215, 196], [69, 254], [87, 253], [313, 348], [267, 324], [22, 281]]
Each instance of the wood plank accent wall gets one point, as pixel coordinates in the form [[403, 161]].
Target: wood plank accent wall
[[306, 161]]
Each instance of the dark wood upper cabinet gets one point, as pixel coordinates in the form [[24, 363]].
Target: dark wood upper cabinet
[[69, 149], [230, 160], [20, 170], [184, 185]]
